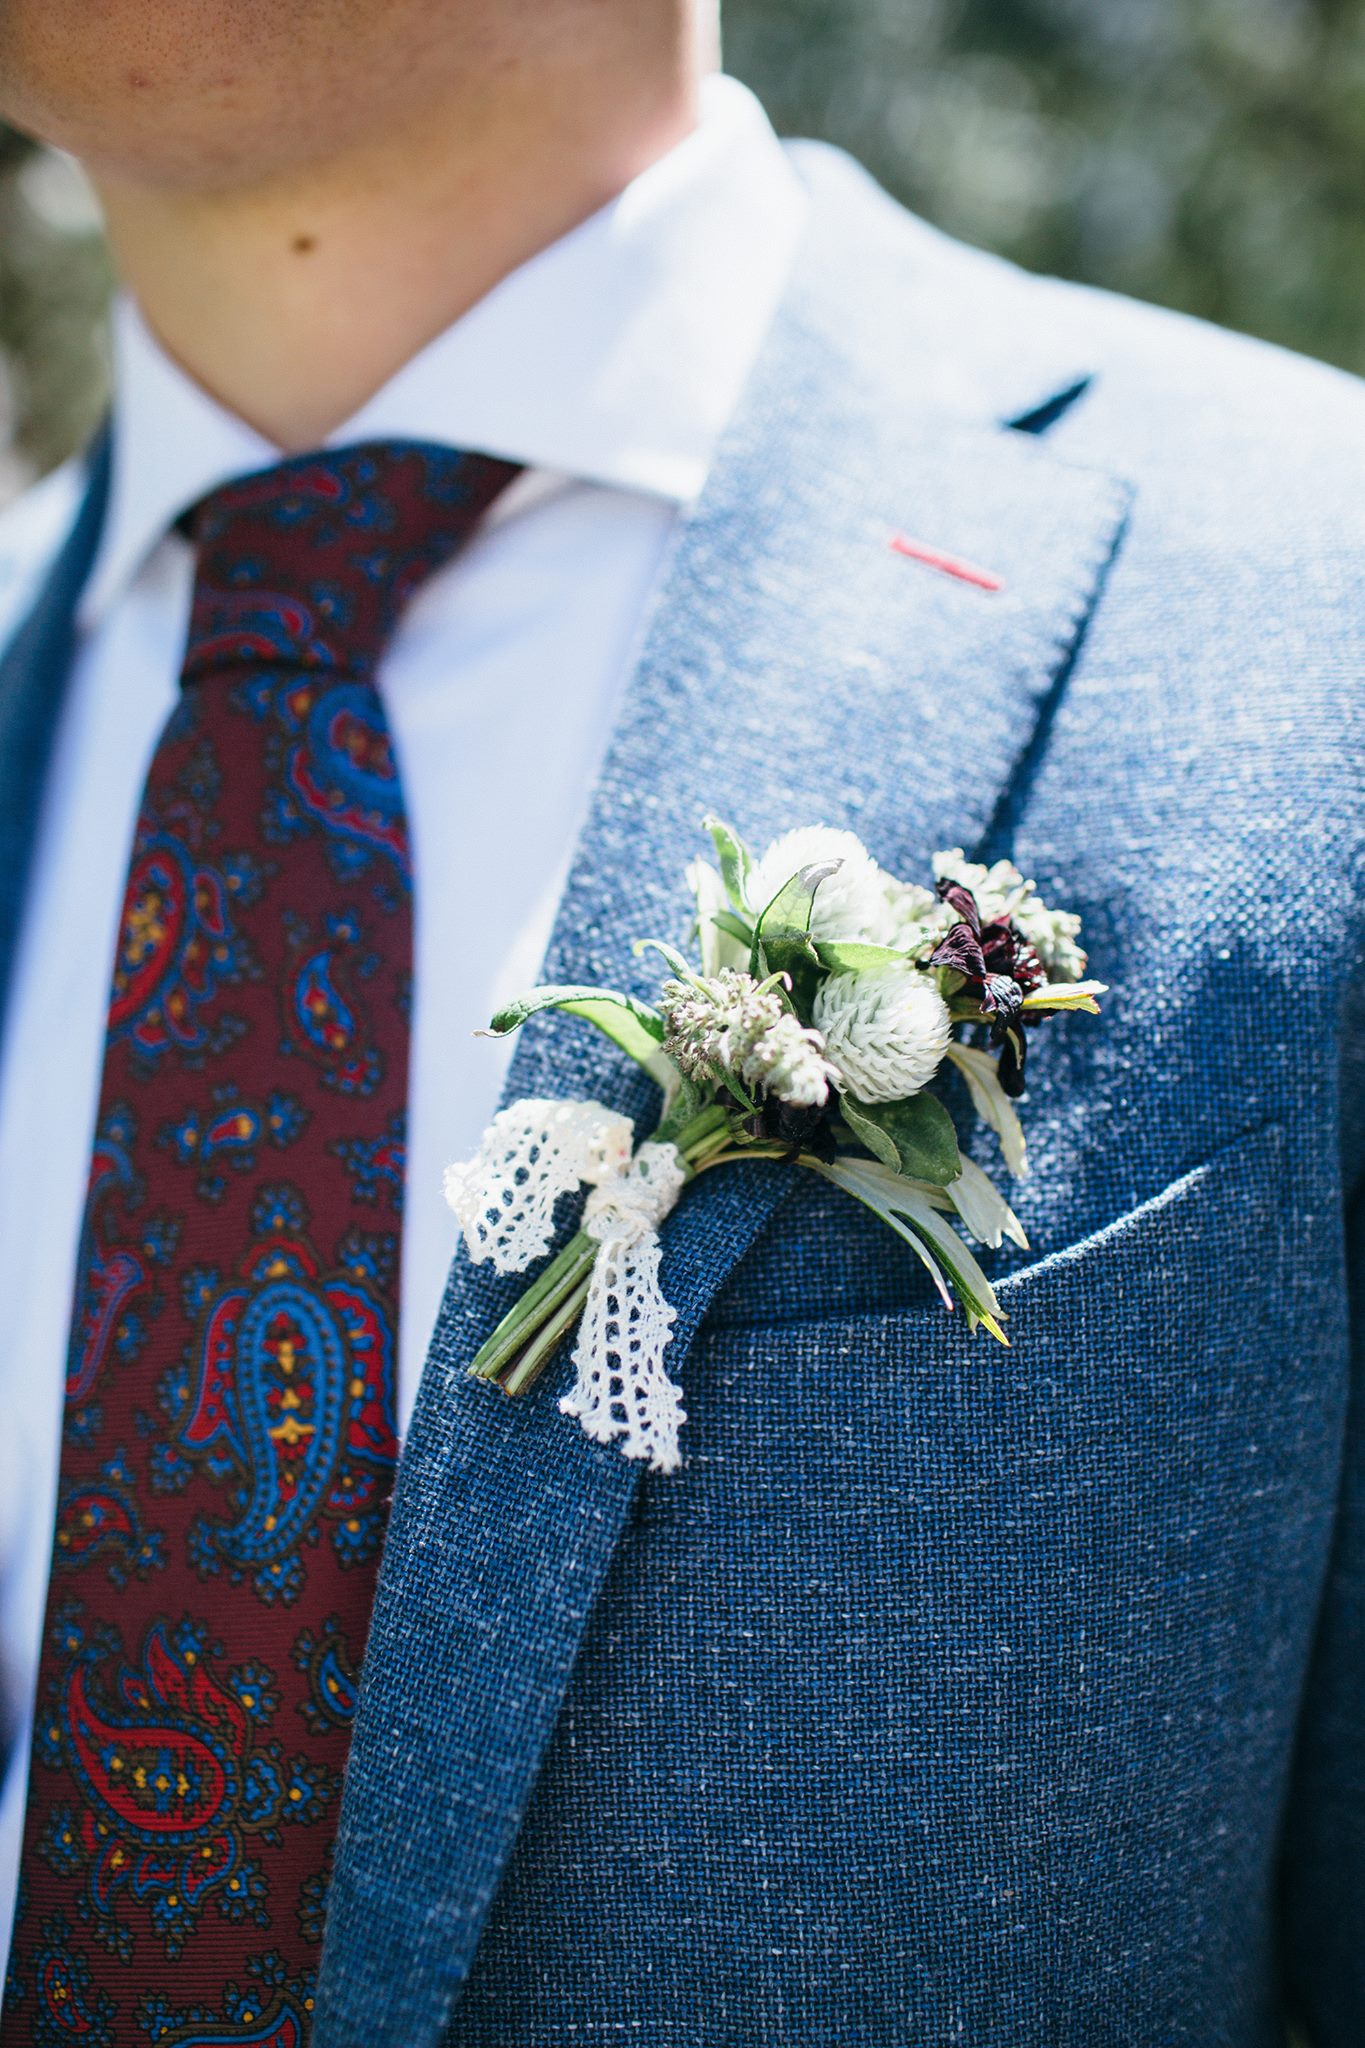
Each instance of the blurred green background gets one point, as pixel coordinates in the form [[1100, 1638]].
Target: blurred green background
[[1206, 153]]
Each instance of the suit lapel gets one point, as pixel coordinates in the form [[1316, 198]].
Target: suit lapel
[[33, 674], [798, 668]]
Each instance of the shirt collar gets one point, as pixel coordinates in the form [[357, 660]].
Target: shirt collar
[[616, 355]]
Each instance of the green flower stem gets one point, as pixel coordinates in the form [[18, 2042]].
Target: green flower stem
[[523, 1375], [699, 1132], [524, 1342], [706, 1148], [730, 1157], [541, 1299]]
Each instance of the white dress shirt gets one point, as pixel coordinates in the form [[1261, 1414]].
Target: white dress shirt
[[609, 365]]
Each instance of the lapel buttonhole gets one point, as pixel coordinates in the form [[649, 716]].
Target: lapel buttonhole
[[946, 564]]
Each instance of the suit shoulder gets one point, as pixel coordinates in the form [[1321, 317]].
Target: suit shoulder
[[1173, 391], [32, 529], [1164, 396]]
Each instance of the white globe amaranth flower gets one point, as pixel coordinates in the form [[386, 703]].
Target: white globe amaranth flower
[[1001, 892], [850, 904], [886, 1031]]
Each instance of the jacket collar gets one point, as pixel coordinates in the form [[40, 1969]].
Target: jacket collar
[[33, 671], [798, 668], [614, 356]]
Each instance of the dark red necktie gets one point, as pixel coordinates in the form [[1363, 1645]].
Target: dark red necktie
[[228, 1448]]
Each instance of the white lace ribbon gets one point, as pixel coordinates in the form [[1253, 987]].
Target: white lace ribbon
[[622, 1389], [533, 1152]]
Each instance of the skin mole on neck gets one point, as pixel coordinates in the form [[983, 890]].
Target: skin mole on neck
[[304, 245]]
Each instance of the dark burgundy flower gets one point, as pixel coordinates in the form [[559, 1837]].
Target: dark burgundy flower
[[999, 967], [799, 1127]]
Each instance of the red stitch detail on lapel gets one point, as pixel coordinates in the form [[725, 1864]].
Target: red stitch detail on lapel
[[951, 565]]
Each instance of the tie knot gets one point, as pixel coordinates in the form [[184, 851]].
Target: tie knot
[[308, 564]]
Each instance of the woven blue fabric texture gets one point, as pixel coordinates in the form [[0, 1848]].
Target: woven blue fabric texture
[[949, 1696]]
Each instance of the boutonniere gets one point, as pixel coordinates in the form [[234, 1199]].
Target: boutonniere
[[828, 997]]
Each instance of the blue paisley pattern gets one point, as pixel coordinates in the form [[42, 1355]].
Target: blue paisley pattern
[[291, 1400], [118, 1262], [272, 2010], [101, 1519], [176, 1777]]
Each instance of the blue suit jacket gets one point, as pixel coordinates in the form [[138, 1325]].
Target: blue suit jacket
[[949, 1694]]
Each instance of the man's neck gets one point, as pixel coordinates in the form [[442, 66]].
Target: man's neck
[[293, 301]]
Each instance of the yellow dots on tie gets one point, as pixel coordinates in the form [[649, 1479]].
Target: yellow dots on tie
[[352, 1526], [248, 1699], [295, 1794], [357, 1389]]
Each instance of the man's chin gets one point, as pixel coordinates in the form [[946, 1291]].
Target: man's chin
[[160, 93]]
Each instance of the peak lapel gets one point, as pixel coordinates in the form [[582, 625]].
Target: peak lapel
[[798, 668], [33, 672]]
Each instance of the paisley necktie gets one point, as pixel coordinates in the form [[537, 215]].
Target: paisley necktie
[[228, 1446]]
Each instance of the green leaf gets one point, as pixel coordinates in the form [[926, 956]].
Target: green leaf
[[911, 1215], [672, 958], [847, 956], [919, 1139], [983, 1208], [782, 941], [842, 1178], [735, 861], [992, 1104], [1066, 995], [970, 1284], [726, 921], [869, 1132], [632, 1025]]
